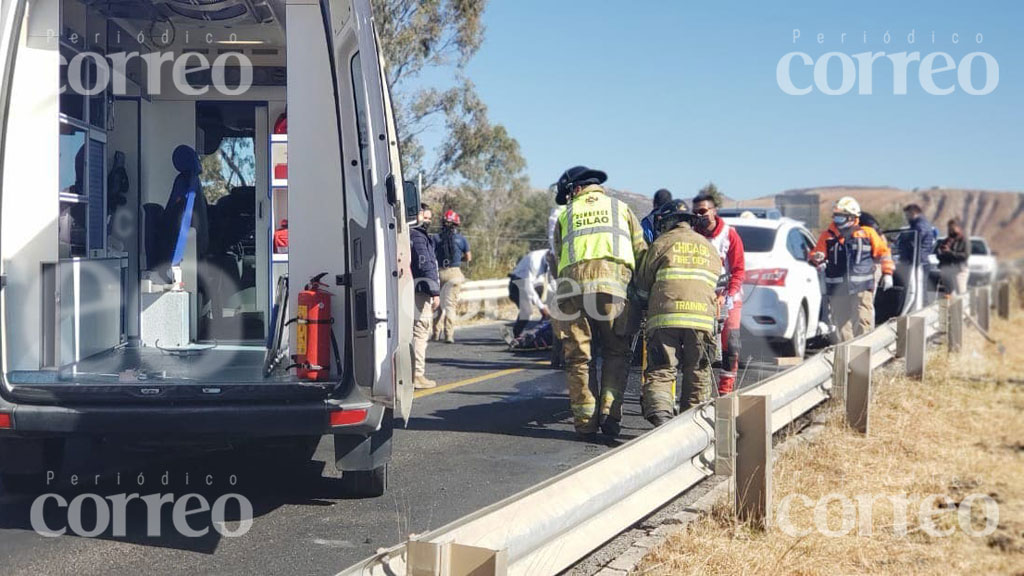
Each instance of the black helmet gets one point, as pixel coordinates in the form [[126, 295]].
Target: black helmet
[[671, 213], [576, 176]]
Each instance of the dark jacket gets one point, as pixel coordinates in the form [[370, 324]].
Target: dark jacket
[[424, 262], [924, 246], [953, 251]]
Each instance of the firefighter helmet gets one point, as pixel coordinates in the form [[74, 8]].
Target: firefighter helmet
[[847, 205], [671, 213], [452, 217], [576, 176]]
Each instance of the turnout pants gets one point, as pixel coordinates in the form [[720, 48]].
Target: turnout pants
[[576, 329], [669, 351], [853, 314], [423, 316], [451, 285]]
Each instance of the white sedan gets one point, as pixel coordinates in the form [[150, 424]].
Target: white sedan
[[782, 292]]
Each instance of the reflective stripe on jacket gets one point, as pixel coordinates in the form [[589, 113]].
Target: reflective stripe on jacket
[[595, 227], [678, 276], [850, 259]]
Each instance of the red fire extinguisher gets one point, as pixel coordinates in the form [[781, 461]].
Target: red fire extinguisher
[[313, 332]]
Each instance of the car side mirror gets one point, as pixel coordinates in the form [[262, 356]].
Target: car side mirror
[[411, 194]]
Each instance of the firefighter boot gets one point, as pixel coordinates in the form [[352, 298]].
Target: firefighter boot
[[660, 417], [581, 399]]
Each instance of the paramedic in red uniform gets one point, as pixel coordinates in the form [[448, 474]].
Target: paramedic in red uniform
[[727, 242]]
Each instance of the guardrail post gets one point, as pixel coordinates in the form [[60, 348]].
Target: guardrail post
[[984, 308], [1004, 300], [451, 559], [840, 370], [475, 561], [955, 324], [726, 408], [858, 388], [916, 343], [426, 558], [754, 460], [901, 337]]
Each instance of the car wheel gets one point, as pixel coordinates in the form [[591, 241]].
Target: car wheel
[[365, 483], [797, 344]]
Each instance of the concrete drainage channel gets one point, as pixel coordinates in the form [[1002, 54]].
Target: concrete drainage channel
[[551, 527]]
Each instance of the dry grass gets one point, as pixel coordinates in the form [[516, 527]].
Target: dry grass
[[960, 433]]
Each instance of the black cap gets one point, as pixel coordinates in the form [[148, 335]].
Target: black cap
[[661, 197], [576, 176]]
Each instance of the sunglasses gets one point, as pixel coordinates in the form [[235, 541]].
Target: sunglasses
[[702, 211]]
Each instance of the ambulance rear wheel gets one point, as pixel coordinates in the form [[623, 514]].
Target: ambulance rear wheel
[[366, 483]]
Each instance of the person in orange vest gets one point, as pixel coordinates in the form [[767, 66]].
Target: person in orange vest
[[281, 238], [849, 253]]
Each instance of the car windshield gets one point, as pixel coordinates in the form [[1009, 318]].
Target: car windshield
[[978, 248], [756, 239]]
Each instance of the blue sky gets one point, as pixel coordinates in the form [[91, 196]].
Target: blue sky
[[674, 94]]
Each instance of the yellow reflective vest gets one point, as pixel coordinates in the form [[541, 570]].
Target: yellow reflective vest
[[595, 226]]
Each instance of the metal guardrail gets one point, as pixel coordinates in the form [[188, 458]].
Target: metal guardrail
[[484, 290], [551, 526]]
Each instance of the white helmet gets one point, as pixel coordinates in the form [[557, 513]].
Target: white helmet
[[847, 205]]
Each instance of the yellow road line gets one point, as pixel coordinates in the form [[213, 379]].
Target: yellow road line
[[468, 381]]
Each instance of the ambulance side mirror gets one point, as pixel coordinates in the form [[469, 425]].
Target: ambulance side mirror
[[412, 200]]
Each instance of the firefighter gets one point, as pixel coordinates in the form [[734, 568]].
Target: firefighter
[[598, 242], [849, 253], [678, 277], [729, 245]]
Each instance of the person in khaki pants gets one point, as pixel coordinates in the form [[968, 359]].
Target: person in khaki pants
[[849, 253], [451, 249], [424, 273]]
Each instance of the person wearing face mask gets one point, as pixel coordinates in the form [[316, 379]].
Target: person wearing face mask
[[428, 294], [849, 253], [916, 248], [953, 253], [729, 245]]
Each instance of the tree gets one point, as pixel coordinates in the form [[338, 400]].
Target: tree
[[417, 35], [710, 189], [478, 162]]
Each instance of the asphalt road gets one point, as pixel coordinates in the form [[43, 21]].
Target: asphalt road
[[498, 424]]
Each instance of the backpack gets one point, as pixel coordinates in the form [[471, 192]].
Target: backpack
[[446, 248]]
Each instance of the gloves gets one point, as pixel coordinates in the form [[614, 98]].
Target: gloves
[[887, 282]]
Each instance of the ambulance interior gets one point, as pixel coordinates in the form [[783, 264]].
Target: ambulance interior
[[154, 259]]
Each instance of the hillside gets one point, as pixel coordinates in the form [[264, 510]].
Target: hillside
[[998, 216]]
